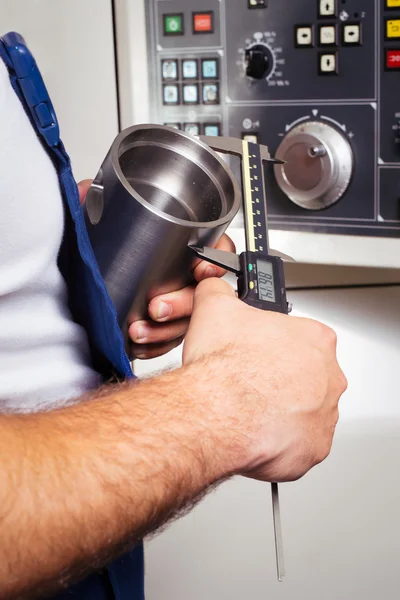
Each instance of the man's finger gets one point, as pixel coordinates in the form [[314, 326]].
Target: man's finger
[[153, 350], [175, 305], [147, 332], [83, 187], [205, 269]]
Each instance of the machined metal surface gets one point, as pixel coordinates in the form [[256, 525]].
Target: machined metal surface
[[319, 165], [157, 191]]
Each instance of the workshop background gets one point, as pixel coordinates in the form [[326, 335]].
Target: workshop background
[[292, 74]]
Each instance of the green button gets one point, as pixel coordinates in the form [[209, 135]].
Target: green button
[[249, 267], [173, 24]]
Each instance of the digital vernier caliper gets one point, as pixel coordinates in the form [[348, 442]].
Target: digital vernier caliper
[[261, 279]]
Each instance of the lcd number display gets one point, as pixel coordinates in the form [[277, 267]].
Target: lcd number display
[[266, 285]]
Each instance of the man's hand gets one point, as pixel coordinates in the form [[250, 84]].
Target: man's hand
[[257, 395], [170, 313], [281, 378]]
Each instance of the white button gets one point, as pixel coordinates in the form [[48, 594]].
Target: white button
[[327, 63], [304, 36], [351, 34], [327, 35], [171, 94], [210, 93], [249, 137], [192, 128], [191, 94], [189, 69], [327, 8], [170, 69]]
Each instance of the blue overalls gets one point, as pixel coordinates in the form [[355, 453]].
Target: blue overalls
[[89, 301]]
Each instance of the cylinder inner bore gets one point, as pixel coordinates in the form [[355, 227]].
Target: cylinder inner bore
[[176, 175]]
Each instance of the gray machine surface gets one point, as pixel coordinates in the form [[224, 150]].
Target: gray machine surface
[[300, 77]]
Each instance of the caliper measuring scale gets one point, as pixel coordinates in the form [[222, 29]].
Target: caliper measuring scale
[[259, 270]]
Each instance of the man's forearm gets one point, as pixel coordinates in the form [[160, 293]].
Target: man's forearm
[[80, 484]]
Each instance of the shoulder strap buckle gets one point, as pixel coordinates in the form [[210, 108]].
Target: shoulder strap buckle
[[32, 87]]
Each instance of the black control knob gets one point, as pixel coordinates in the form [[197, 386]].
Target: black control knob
[[258, 61]]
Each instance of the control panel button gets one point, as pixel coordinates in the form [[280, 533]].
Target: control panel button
[[304, 36], [171, 94], [209, 68], [210, 93], [392, 61], [173, 24], [392, 29], [328, 64], [191, 94], [169, 69], [392, 3], [203, 22], [351, 34], [190, 69], [327, 8], [192, 128], [173, 125], [212, 129], [327, 35], [258, 3], [250, 137]]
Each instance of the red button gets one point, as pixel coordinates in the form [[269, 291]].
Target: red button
[[393, 59], [203, 22]]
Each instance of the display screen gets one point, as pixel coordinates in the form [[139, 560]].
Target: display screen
[[266, 284]]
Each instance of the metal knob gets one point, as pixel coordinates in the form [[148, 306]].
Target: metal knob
[[319, 165]]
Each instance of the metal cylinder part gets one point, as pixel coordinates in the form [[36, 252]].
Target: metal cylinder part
[[157, 191]]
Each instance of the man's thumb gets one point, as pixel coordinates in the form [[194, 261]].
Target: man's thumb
[[214, 286]]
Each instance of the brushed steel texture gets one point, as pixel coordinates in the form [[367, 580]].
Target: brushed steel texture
[[158, 191]]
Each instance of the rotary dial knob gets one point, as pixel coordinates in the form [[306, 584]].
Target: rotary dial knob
[[258, 61], [319, 165]]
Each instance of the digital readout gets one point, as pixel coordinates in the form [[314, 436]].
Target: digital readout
[[266, 284]]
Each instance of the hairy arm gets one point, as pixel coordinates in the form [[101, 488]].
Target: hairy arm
[[81, 484]]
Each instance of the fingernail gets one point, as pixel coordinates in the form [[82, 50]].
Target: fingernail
[[164, 310], [142, 333], [210, 272]]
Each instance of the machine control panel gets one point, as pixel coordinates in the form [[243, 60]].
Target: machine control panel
[[317, 81]]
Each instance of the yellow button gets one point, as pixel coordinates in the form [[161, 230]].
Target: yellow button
[[251, 285], [392, 3], [393, 28]]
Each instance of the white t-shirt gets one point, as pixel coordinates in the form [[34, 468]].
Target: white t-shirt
[[44, 355]]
